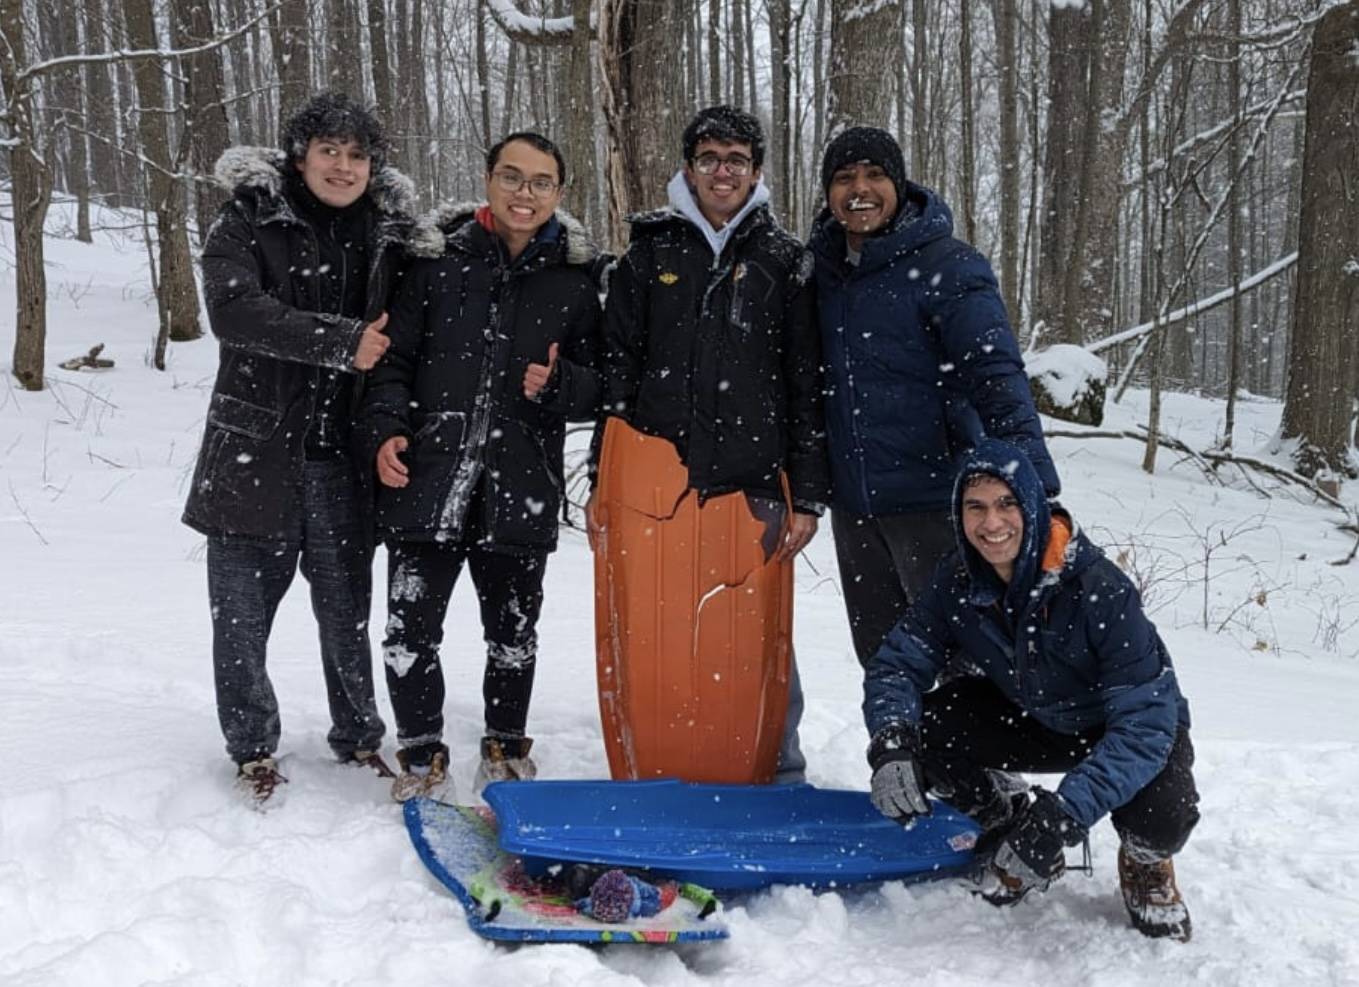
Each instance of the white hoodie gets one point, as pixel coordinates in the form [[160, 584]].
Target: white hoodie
[[683, 202]]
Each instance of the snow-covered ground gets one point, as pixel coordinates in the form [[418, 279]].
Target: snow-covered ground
[[125, 860]]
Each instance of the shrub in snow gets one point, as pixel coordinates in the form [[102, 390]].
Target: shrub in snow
[[1068, 382]]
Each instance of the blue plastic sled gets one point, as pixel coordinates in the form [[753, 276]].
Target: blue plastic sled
[[458, 845], [727, 837]]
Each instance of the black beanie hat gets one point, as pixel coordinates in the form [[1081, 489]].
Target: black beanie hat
[[872, 144]]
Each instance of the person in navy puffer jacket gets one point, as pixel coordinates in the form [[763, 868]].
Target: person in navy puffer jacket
[[920, 365], [1071, 677]]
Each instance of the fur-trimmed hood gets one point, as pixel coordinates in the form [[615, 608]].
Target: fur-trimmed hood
[[434, 229], [264, 170]]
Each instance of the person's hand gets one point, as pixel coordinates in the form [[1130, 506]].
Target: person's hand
[[594, 521], [1033, 854], [373, 344], [899, 789], [537, 375], [390, 469], [797, 532]]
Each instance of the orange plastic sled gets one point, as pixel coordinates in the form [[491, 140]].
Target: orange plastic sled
[[693, 628]]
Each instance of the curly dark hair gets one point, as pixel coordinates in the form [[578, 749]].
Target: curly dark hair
[[727, 124], [335, 115]]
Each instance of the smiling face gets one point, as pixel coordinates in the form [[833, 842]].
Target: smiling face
[[336, 171], [722, 194], [520, 213], [993, 523], [864, 200]]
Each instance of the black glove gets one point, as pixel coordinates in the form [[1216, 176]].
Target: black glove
[[1032, 855], [898, 780]]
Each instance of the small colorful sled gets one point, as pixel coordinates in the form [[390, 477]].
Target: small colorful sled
[[727, 837], [458, 845], [693, 626]]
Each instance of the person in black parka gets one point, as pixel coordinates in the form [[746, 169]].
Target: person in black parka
[[297, 271], [711, 344], [494, 346]]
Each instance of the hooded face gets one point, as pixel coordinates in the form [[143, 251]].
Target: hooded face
[[520, 211], [993, 523], [335, 171], [863, 198], [721, 194]]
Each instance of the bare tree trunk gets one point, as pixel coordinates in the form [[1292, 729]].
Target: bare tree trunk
[[920, 101], [382, 66], [861, 69], [31, 192], [73, 120], [1234, 273], [178, 294], [511, 79], [714, 51], [205, 93], [781, 77], [641, 81], [483, 75], [580, 123], [344, 66], [1006, 18], [292, 58], [968, 178], [98, 93], [1326, 303], [818, 95], [738, 53]]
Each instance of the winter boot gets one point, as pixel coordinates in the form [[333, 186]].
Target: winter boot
[[1150, 894], [504, 759], [424, 773], [256, 782], [371, 760]]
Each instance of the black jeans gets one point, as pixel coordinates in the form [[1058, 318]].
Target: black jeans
[[884, 563], [420, 580], [247, 578], [969, 726]]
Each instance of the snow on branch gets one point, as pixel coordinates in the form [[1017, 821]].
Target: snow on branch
[[1195, 308], [529, 30], [126, 55]]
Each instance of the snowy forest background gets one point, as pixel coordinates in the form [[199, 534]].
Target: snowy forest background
[[1124, 162]]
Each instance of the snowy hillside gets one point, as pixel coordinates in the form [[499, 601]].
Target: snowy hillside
[[124, 859]]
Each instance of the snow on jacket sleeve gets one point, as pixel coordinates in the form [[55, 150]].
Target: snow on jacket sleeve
[[909, 659], [624, 347], [1141, 699], [246, 317], [808, 467], [975, 335], [386, 408]]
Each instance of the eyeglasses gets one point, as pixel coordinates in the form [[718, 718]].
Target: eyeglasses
[[738, 165], [512, 181]]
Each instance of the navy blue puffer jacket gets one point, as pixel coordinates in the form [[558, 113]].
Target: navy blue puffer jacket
[[1071, 646], [920, 362]]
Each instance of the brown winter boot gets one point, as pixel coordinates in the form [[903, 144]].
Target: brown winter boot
[[504, 759], [1151, 896]]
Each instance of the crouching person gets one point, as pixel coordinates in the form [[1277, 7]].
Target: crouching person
[[494, 340], [297, 270], [1073, 678]]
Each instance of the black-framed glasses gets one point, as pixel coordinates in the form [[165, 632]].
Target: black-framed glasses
[[737, 165], [512, 181]]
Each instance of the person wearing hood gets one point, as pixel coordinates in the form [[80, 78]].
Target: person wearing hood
[[920, 365], [711, 344], [297, 271], [1070, 676], [494, 346]]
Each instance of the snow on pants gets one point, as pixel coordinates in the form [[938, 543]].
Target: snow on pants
[[884, 563], [247, 579], [970, 726], [420, 580]]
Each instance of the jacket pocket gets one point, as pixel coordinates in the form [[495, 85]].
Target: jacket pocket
[[243, 418], [433, 459]]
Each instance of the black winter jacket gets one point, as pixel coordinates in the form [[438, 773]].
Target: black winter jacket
[[464, 328], [720, 355], [262, 292]]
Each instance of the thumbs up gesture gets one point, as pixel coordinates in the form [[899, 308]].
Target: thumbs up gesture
[[372, 344], [537, 375]]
